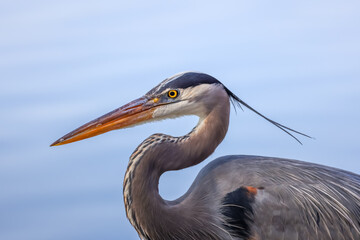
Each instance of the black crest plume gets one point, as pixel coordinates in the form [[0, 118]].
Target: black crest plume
[[235, 100]]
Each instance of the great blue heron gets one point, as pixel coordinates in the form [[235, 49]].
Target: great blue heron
[[233, 197]]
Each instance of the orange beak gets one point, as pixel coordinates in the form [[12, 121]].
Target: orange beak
[[130, 114]]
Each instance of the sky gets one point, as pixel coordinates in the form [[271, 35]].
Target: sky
[[64, 63]]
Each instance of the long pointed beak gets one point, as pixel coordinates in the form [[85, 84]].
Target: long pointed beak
[[130, 114]]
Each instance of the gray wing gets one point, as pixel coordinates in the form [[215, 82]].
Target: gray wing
[[272, 198]]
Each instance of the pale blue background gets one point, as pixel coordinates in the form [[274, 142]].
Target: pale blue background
[[63, 63]]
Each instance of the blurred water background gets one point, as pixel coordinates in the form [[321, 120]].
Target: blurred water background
[[63, 63]]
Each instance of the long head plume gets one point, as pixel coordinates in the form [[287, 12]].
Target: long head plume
[[236, 101]]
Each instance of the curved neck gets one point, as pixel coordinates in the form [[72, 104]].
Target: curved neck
[[152, 216]]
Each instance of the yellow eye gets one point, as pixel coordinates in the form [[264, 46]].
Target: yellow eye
[[172, 94]]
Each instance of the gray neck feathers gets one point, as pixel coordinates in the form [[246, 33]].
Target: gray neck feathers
[[151, 215]]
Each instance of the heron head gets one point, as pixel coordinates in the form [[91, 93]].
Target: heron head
[[188, 93]]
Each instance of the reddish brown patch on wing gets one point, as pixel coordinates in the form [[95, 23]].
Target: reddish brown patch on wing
[[254, 237], [251, 190]]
